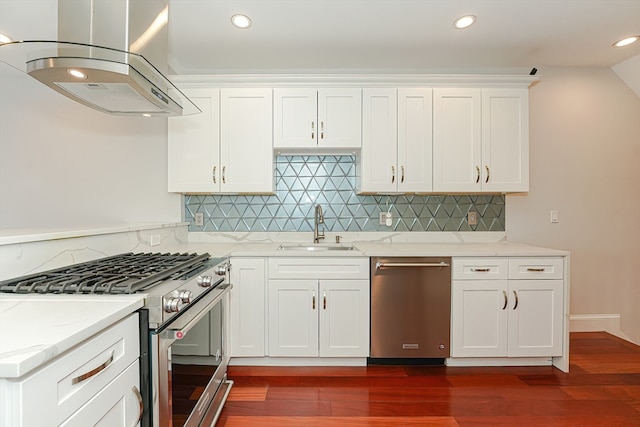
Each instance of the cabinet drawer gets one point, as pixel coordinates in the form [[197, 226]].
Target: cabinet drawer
[[318, 268], [480, 268], [67, 383], [536, 268]]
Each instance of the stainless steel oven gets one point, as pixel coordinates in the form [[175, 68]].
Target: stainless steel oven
[[188, 358]]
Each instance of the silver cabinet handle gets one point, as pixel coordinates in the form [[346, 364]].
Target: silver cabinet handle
[[139, 396], [224, 171], [214, 174], [313, 130], [535, 269], [402, 176], [487, 178], [516, 304], [93, 372], [324, 300], [380, 265], [504, 294], [481, 270], [477, 174], [393, 174], [321, 130], [313, 301]]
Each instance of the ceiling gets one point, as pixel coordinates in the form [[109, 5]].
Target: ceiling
[[408, 36]]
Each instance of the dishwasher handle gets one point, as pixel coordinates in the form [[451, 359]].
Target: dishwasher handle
[[380, 265]]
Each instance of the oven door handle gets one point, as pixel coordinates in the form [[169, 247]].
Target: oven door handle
[[182, 325]]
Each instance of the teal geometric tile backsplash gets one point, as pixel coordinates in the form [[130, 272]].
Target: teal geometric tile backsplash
[[304, 181]]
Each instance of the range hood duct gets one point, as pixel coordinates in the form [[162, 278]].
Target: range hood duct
[[108, 43]]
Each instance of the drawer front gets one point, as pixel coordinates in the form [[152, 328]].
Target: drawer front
[[536, 268], [480, 268], [319, 268], [71, 380]]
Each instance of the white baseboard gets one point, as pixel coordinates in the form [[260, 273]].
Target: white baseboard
[[596, 323]]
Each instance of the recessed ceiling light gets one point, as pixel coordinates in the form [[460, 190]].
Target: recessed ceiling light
[[627, 41], [464, 22], [146, 115], [5, 38], [241, 21], [77, 73]]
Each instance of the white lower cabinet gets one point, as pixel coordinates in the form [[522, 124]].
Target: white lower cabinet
[[316, 314], [97, 383], [498, 312], [247, 307]]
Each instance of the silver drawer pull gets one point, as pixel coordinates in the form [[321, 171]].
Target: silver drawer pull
[[93, 372], [481, 270], [139, 396], [380, 265], [506, 300], [535, 269]]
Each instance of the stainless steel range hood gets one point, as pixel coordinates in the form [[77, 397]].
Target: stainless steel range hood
[[100, 59]]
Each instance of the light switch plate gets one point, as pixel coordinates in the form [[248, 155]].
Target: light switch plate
[[385, 218], [472, 218], [198, 219]]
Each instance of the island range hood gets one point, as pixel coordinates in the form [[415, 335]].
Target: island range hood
[[101, 58]]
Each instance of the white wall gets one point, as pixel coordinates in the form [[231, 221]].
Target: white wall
[[65, 165], [585, 163]]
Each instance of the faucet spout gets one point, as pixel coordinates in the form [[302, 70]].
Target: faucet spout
[[318, 219]]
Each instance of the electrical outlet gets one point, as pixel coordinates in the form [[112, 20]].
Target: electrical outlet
[[472, 218], [155, 240], [385, 218], [198, 219]]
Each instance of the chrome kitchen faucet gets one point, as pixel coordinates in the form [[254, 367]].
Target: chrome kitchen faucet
[[317, 220]]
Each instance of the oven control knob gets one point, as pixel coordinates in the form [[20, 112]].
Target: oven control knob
[[185, 296], [204, 281], [221, 270], [172, 305]]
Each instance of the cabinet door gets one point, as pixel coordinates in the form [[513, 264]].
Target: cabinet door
[[457, 140], [505, 140], [194, 145], [379, 166], [293, 318], [246, 153], [415, 140], [479, 318], [340, 118], [535, 318], [247, 307], [295, 118], [344, 318]]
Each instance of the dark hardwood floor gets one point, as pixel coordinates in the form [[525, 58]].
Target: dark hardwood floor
[[602, 389]]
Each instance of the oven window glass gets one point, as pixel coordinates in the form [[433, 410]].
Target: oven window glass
[[194, 362]]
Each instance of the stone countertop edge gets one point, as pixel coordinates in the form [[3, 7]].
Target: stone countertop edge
[[27, 344], [14, 236]]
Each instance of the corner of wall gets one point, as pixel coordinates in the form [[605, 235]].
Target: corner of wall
[[629, 73]]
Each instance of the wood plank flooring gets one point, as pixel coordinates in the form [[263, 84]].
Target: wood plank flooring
[[602, 389]]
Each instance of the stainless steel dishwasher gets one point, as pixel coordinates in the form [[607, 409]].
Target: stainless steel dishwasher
[[410, 308]]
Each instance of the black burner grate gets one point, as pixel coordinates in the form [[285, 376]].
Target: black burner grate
[[120, 274]]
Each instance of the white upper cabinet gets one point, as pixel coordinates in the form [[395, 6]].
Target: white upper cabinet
[[481, 140], [317, 118], [225, 149], [194, 146], [397, 140], [246, 155]]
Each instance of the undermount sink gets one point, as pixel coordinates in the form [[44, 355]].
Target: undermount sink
[[315, 248]]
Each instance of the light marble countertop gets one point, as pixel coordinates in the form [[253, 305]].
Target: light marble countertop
[[38, 328]]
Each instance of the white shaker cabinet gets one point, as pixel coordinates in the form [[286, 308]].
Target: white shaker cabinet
[[326, 118], [497, 313], [194, 146], [225, 149], [318, 314], [247, 307], [481, 140], [397, 141], [246, 154]]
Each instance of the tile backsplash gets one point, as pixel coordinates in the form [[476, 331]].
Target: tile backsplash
[[304, 181]]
